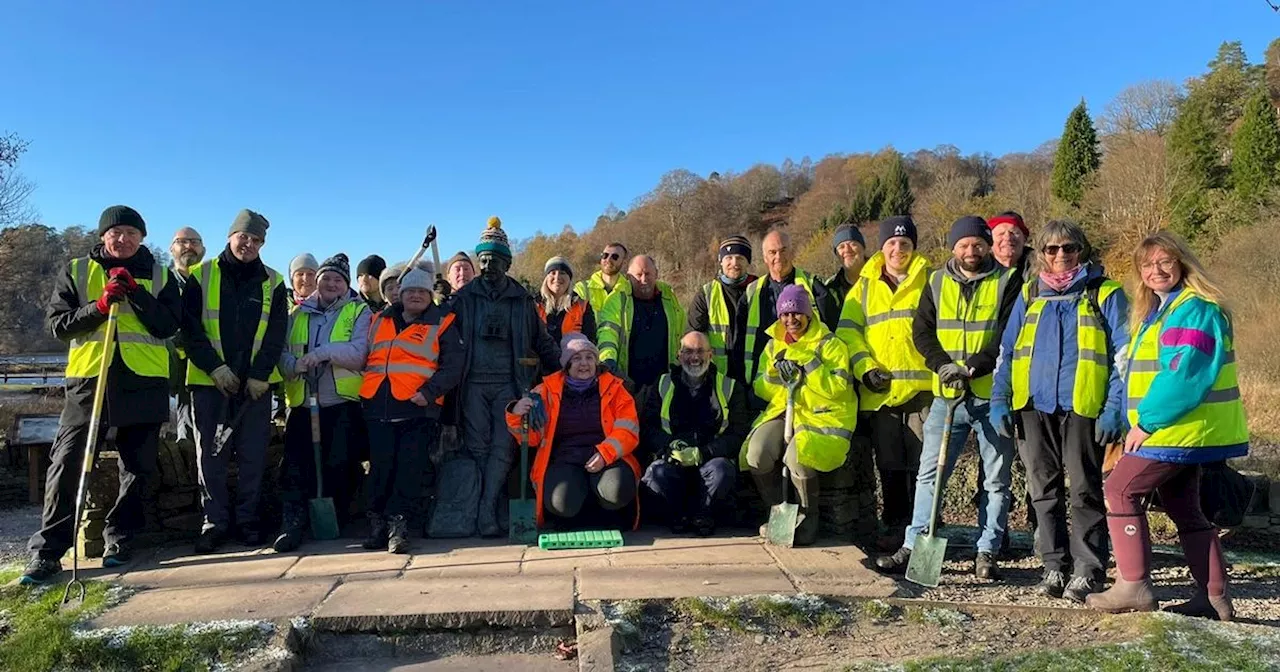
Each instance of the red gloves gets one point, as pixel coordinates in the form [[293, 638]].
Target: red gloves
[[121, 276], [113, 293]]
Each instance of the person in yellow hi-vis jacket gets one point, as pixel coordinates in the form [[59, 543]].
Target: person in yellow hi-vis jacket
[[328, 344], [897, 385], [957, 328], [800, 349], [121, 272], [235, 312]]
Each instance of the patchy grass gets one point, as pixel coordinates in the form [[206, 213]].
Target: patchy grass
[[36, 634], [876, 610], [726, 614], [1168, 644], [797, 613]]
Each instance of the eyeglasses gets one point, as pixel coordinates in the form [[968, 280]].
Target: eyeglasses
[[693, 351], [187, 241], [1069, 248], [613, 256], [1165, 265]]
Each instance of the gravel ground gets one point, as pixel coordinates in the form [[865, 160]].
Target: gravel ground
[[1253, 578], [16, 528]]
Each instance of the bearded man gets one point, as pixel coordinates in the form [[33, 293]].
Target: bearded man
[[694, 424]]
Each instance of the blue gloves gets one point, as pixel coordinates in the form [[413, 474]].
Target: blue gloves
[[1110, 426], [537, 414], [1002, 418]]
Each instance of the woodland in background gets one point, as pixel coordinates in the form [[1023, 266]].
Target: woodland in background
[[1201, 157]]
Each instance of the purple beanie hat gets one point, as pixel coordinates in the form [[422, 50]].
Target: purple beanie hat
[[794, 299]]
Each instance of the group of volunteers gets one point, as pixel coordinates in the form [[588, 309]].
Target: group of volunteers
[[625, 398]]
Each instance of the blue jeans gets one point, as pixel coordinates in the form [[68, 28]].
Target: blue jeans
[[996, 453]]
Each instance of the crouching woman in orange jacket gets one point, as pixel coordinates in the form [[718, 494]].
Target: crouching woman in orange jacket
[[586, 445]]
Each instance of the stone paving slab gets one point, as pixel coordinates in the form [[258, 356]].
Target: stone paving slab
[[717, 551], [257, 601], [640, 583], [239, 570], [538, 561], [351, 566], [448, 602], [466, 562], [832, 570]]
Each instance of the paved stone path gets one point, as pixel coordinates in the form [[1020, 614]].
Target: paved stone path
[[453, 583]]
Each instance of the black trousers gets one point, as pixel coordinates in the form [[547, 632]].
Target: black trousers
[[137, 446], [400, 464], [566, 487], [1058, 445], [897, 434], [342, 440]]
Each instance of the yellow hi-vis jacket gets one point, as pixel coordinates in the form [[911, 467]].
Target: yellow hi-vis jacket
[[209, 275], [143, 353], [875, 324], [346, 382], [965, 327], [826, 410], [613, 325], [753, 314], [593, 290]]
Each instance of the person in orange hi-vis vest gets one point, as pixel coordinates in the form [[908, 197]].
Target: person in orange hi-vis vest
[[560, 307], [415, 357], [586, 448]]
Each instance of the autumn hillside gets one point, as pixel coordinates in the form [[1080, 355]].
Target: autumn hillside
[[1201, 157]]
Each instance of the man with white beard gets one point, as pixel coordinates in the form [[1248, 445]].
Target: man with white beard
[[694, 424]]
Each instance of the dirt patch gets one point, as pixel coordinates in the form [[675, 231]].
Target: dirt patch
[[812, 633]]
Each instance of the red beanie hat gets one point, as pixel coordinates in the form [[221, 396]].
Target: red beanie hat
[[1009, 217]]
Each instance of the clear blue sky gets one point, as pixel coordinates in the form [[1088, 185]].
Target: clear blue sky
[[352, 128]]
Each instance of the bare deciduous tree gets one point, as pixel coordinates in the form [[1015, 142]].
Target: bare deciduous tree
[[14, 188], [1146, 107]]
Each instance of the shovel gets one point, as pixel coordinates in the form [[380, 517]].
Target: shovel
[[324, 517], [76, 586], [521, 515], [781, 528], [925, 566]]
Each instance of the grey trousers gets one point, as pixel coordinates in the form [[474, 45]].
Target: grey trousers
[[765, 450], [248, 447]]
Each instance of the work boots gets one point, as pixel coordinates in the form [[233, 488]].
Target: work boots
[[377, 532], [292, 528], [808, 520], [1124, 596], [1204, 605], [397, 535], [770, 485]]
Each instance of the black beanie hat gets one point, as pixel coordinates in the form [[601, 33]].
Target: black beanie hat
[[339, 264], [845, 233], [897, 226], [120, 215], [735, 245], [969, 226], [371, 265]]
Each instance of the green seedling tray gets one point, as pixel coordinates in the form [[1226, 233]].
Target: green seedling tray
[[555, 541]]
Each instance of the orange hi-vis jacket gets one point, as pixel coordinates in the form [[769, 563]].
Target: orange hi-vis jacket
[[617, 416], [408, 358], [573, 317]]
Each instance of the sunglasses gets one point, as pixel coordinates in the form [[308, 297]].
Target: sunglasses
[[612, 256], [1069, 248]]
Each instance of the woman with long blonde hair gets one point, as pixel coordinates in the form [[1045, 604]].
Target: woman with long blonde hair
[[1183, 410], [563, 311]]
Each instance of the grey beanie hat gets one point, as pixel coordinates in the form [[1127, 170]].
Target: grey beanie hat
[[416, 278], [250, 222], [304, 260], [390, 273]]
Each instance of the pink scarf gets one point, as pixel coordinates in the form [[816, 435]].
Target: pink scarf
[[1059, 281]]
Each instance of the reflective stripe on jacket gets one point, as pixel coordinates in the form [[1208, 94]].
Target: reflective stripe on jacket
[[826, 409], [143, 353], [1182, 385], [617, 417], [614, 325], [209, 275], [410, 358], [875, 324], [965, 327], [345, 381]]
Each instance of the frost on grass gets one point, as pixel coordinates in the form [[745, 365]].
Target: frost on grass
[[943, 617]]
